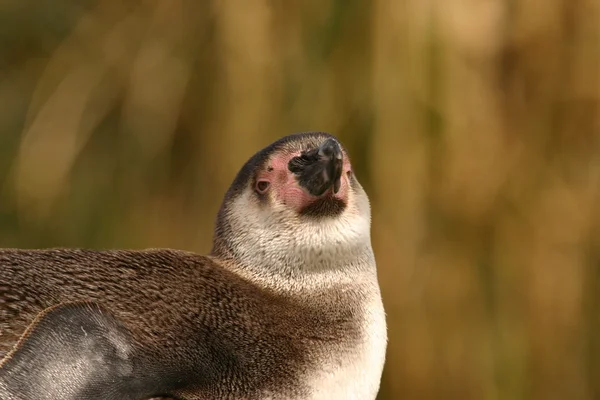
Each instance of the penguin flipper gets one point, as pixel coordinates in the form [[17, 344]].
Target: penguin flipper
[[71, 351]]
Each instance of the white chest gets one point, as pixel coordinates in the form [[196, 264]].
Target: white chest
[[356, 374]]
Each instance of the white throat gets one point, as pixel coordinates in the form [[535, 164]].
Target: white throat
[[300, 254]]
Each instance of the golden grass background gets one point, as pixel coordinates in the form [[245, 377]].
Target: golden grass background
[[473, 125]]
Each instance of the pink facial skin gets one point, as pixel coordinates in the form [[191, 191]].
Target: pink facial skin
[[285, 188]]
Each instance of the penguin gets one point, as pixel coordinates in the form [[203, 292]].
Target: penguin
[[286, 305]]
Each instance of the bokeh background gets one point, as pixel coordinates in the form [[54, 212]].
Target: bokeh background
[[473, 125]]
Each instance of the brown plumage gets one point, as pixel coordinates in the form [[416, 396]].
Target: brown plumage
[[245, 322]]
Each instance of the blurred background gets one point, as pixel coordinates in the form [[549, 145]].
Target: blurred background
[[473, 125]]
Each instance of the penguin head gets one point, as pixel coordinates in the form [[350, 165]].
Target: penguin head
[[296, 201]]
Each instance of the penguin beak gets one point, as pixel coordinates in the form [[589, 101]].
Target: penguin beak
[[320, 169]]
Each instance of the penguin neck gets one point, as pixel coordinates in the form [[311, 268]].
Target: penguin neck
[[299, 267], [290, 275], [274, 248]]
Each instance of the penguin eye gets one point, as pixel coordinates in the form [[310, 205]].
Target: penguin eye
[[262, 186]]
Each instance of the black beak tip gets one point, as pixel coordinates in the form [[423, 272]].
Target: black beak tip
[[334, 159], [331, 150], [336, 186]]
